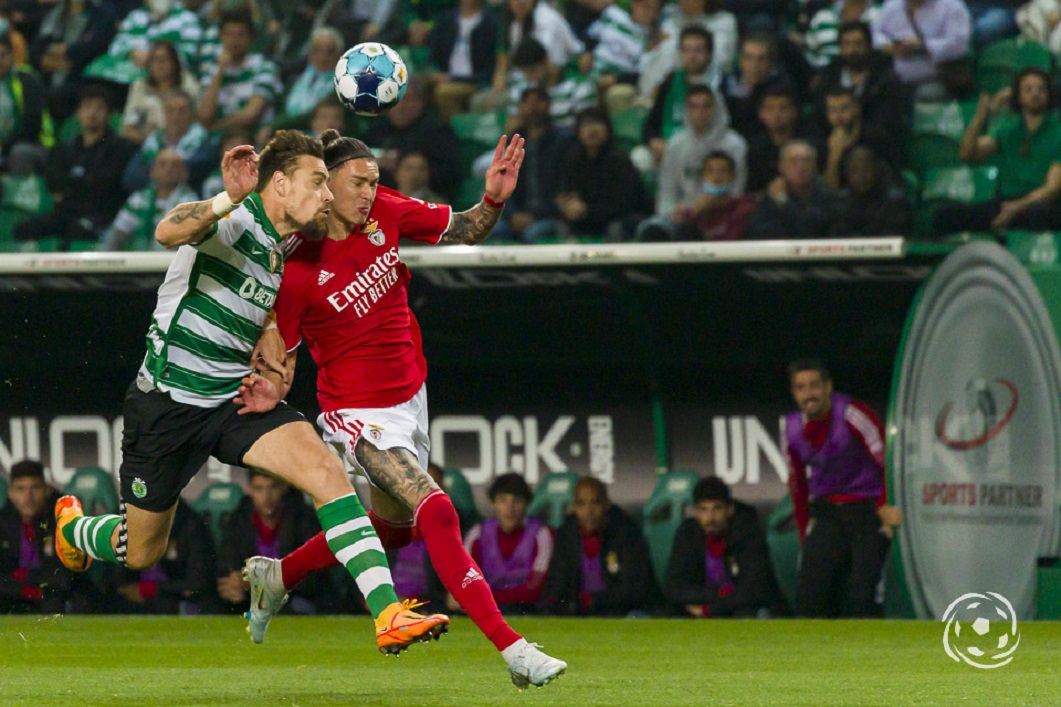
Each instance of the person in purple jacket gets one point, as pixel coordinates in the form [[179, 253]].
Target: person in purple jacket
[[512, 550], [835, 450]]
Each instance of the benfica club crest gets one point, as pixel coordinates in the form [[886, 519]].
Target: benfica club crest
[[375, 235]]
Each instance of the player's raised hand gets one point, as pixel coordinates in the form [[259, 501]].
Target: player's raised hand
[[239, 169], [256, 394], [503, 173]]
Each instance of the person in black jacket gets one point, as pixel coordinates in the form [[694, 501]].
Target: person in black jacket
[[870, 76], [869, 204], [532, 213], [32, 579], [600, 191], [462, 47], [84, 176], [720, 563], [272, 520], [181, 582], [73, 33], [601, 564]]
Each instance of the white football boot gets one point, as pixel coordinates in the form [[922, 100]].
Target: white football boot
[[529, 666], [268, 595]]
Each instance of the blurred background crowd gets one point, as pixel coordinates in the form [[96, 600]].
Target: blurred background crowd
[[645, 120]]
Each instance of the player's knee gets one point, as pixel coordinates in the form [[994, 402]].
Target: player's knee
[[144, 557], [330, 479]]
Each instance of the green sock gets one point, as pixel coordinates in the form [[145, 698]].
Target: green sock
[[354, 541], [92, 534]]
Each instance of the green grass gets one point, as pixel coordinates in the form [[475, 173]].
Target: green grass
[[314, 661]]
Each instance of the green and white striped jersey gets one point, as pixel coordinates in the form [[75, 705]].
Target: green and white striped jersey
[[140, 29], [211, 308], [256, 77], [621, 42]]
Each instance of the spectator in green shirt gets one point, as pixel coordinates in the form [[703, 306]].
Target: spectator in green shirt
[[1026, 146]]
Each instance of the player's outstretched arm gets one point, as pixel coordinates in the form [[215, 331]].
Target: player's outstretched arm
[[474, 225], [191, 221]]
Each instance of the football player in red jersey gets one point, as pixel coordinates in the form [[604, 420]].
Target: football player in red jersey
[[345, 292]]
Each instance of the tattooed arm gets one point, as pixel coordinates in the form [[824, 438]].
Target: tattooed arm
[[472, 226], [192, 221]]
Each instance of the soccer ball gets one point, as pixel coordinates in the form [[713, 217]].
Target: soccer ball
[[370, 78]]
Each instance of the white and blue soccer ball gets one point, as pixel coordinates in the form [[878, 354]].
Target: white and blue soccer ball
[[370, 78]]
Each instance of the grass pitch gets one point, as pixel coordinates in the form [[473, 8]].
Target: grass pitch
[[317, 661]]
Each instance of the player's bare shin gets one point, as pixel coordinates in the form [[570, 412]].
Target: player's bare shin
[[396, 472]]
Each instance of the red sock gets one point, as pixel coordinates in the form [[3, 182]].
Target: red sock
[[312, 556], [393, 535], [316, 555], [437, 520]]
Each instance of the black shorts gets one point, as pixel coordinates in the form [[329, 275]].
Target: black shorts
[[165, 443]]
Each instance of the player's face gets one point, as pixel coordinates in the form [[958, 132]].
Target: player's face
[[713, 516], [354, 185], [27, 495], [590, 508], [811, 393], [267, 495], [510, 510], [306, 192]]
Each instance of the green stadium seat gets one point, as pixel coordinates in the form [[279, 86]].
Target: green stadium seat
[[460, 492], [936, 133], [626, 126], [783, 540], [216, 503], [469, 193], [664, 512], [477, 133], [911, 187], [3, 492], [1000, 61], [965, 184], [22, 197], [553, 497], [95, 488]]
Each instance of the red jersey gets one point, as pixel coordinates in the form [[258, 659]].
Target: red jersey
[[350, 300]]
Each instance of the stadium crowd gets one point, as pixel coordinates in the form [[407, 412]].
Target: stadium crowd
[[644, 119], [565, 549]]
